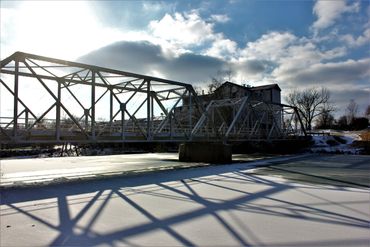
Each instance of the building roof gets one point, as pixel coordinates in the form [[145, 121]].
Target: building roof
[[263, 87], [227, 83]]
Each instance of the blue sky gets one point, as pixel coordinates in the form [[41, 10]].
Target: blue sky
[[298, 44]]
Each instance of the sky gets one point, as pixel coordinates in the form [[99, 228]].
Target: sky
[[297, 44]]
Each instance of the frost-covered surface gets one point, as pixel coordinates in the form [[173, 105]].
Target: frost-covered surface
[[208, 206], [336, 142], [45, 171], [71, 151]]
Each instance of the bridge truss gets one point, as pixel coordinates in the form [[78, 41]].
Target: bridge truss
[[47, 100]]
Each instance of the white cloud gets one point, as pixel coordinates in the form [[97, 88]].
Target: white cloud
[[220, 18], [287, 53], [222, 48], [300, 57], [251, 71], [182, 29], [181, 32], [147, 58], [338, 74], [270, 46], [361, 40], [302, 62], [328, 12]]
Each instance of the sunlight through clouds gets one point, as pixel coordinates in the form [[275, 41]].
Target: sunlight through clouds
[[185, 29], [62, 29], [300, 43]]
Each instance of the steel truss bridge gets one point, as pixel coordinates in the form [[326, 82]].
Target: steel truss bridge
[[47, 100]]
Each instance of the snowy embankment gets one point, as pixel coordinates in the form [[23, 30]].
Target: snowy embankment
[[336, 142]]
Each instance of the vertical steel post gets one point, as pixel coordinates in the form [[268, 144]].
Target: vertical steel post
[[234, 117], [171, 125], [111, 106], [93, 105], [57, 121], [152, 106], [148, 111], [190, 114], [213, 119], [123, 108], [247, 127], [86, 113], [26, 119], [152, 113], [282, 118], [111, 110], [15, 113]]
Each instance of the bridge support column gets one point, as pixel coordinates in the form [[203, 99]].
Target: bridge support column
[[205, 152]]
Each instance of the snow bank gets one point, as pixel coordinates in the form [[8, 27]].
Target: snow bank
[[336, 143]]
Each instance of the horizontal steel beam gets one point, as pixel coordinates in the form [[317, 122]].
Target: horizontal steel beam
[[21, 56]]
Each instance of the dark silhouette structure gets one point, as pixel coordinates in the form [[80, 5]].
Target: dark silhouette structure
[[91, 104]]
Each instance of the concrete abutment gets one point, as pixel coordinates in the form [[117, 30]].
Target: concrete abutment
[[205, 152]]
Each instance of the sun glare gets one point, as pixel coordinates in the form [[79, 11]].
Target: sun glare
[[63, 29]]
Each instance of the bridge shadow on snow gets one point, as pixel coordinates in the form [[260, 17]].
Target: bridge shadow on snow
[[93, 197]]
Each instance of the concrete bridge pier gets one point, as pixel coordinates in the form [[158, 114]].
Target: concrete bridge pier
[[205, 152]]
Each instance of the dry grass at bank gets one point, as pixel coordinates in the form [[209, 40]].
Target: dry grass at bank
[[365, 135]]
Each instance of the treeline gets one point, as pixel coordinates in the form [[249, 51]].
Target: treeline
[[357, 123], [350, 121], [316, 111]]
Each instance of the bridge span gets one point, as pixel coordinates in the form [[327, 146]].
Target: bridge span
[[47, 100]]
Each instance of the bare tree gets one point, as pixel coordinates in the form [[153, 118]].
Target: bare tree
[[351, 111], [367, 112], [198, 90], [311, 103], [224, 75], [325, 120], [219, 78], [213, 86], [342, 122]]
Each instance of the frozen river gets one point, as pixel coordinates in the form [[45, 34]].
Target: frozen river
[[18, 172], [228, 205]]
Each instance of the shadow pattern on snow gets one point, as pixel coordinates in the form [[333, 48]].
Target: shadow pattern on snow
[[180, 186]]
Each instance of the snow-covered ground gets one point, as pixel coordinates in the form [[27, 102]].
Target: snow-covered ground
[[42, 171], [208, 206], [336, 142]]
